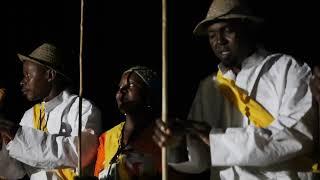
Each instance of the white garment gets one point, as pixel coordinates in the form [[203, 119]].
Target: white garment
[[238, 150], [44, 151]]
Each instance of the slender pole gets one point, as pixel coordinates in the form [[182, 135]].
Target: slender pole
[[316, 139], [80, 89], [164, 85]]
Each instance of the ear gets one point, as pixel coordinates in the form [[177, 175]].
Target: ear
[[51, 75]]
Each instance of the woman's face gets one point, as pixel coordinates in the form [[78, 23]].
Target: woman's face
[[132, 93]]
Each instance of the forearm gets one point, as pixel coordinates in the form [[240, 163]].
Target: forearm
[[198, 157], [39, 149], [252, 147]]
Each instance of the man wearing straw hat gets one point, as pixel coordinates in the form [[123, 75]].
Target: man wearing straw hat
[[46, 141], [256, 107]]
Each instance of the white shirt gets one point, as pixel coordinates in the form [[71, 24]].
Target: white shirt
[[44, 151], [238, 150]]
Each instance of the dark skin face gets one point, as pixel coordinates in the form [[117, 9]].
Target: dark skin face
[[35, 86], [230, 42], [36, 82], [131, 95]]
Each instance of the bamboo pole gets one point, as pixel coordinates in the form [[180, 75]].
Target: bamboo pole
[[164, 85], [79, 173]]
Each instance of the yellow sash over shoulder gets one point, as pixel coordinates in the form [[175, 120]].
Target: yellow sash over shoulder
[[111, 146], [255, 112], [40, 123]]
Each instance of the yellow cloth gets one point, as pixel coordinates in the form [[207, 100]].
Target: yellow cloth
[[112, 143], [40, 123], [316, 168], [255, 112]]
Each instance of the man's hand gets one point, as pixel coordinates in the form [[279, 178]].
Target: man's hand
[[200, 129], [170, 134], [89, 146], [7, 130]]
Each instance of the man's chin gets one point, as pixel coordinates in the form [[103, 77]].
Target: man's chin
[[227, 64], [31, 98]]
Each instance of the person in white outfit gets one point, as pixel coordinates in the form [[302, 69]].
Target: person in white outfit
[[252, 119], [45, 144]]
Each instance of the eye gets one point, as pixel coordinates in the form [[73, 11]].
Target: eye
[[211, 35], [27, 76], [131, 85], [228, 30]]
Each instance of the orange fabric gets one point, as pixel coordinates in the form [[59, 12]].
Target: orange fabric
[[144, 143], [100, 156]]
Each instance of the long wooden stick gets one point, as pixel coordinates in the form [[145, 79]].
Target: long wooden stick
[[80, 90], [164, 85], [316, 137]]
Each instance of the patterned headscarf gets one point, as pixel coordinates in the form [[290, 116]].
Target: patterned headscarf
[[153, 82], [149, 77]]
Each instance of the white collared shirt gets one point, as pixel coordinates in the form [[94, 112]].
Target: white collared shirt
[[44, 151], [238, 150]]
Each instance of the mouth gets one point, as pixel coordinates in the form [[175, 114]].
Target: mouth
[[24, 91], [224, 53]]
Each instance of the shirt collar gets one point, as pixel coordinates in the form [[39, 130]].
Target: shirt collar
[[50, 105], [253, 60]]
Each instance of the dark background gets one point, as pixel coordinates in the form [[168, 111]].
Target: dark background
[[119, 34]]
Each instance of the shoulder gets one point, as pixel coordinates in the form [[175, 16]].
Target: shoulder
[[74, 100], [288, 69], [208, 81], [288, 61], [112, 134], [116, 128], [27, 118], [102, 137]]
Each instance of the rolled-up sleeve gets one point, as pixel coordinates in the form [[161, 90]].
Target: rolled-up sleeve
[[50, 151], [40, 149]]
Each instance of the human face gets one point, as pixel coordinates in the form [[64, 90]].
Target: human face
[[35, 83], [131, 95], [229, 42]]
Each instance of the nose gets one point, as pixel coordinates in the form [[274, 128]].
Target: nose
[[123, 88], [220, 38], [121, 91], [22, 82]]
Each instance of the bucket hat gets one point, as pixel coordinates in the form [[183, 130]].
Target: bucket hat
[[224, 10], [47, 55]]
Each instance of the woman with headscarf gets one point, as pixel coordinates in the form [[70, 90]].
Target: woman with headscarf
[[127, 151]]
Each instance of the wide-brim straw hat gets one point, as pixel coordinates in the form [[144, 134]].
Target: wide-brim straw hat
[[47, 55], [226, 10]]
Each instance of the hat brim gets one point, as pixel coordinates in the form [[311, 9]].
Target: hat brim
[[202, 28], [40, 62]]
